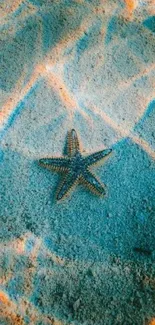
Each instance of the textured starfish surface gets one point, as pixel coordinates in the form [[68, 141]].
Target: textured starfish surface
[[76, 167]]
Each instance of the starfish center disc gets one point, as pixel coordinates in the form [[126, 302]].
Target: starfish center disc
[[78, 164]]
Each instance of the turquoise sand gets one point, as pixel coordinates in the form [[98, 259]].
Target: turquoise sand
[[88, 66]]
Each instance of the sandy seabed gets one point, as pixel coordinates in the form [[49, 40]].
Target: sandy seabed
[[87, 65]]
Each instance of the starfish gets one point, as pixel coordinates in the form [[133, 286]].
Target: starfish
[[76, 167]]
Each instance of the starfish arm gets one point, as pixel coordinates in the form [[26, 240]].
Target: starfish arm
[[55, 164], [66, 185], [72, 143], [93, 183], [95, 157]]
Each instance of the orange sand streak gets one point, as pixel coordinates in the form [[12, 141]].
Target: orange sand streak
[[18, 246], [5, 279], [59, 86], [31, 270], [13, 7], [123, 132], [142, 143], [35, 250], [152, 322], [4, 299], [15, 319], [7, 310], [131, 5], [55, 258], [35, 315], [67, 98]]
